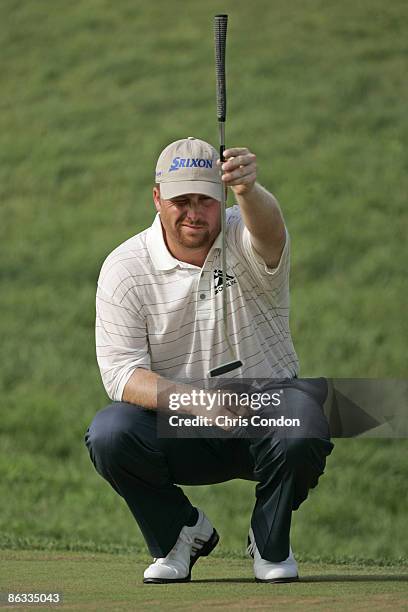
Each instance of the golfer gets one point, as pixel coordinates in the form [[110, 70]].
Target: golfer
[[159, 321]]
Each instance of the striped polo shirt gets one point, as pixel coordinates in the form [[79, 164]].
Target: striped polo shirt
[[156, 312]]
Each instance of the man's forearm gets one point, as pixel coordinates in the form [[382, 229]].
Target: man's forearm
[[141, 388], [260, 209], [148, 389], [261, 213], [264, 220]]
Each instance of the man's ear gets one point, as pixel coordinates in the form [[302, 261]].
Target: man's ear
[[156, 198]]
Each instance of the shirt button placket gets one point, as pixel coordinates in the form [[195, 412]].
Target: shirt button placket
[[204, 295]]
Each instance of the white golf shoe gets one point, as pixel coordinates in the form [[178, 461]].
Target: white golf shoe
[[192, 543], [268, 571]]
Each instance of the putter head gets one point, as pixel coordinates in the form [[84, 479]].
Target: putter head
[[225, 367]]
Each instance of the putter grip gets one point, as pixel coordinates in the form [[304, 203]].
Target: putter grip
[[220, 34]]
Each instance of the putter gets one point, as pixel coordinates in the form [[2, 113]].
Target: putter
[[220, 34]]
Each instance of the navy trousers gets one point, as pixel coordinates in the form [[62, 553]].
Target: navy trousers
[[145, 469]]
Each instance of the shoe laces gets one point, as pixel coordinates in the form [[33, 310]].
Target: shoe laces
[[184, 538], [251, 546]]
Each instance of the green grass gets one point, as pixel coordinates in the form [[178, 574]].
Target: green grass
[[356, 512], [91, 91], [107, 582]]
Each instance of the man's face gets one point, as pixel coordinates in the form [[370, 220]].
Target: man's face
[[191, 221]]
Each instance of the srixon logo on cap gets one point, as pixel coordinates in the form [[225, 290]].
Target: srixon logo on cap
[[181, 162]]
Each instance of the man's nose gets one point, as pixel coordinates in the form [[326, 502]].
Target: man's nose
[[193, 210]]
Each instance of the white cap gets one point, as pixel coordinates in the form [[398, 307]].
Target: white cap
[[189, 166]]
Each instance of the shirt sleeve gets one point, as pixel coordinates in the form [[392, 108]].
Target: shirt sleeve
[[274, 281], [121, 340]]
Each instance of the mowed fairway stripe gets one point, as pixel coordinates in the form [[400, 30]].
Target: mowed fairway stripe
[[114, 582]]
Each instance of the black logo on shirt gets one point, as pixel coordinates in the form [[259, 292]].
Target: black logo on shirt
[[231, 280]]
